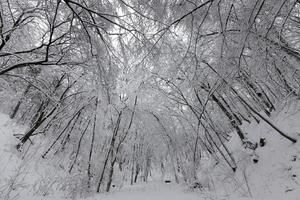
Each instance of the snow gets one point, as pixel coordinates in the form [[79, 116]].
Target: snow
[[153, 190], [274, 177], [8, 158], [276, 174]]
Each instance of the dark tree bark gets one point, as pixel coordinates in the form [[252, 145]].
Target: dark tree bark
[[16, 108]]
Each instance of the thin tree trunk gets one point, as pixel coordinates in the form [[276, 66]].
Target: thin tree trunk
[[112, 146], [79, 145], [16, 108], [230, 117], [269, 122], [110, 175], [133, 164], [137, 171], [64, 129], [114, 155], [36, 125], [92, 145]]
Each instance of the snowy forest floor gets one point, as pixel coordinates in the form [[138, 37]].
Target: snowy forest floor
[[149, 191], [274, 176]]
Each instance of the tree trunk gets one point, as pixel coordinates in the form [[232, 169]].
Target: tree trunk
[[110, 174], [16, 108], [229, 116], [137, 171], [31, 131]]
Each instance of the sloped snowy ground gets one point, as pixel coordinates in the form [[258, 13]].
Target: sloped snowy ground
[[274, 177]]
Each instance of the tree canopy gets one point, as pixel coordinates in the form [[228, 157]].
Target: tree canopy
[[145, 84]]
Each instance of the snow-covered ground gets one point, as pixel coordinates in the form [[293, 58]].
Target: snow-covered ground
[[277, 171], [148, 191], [275, 175]]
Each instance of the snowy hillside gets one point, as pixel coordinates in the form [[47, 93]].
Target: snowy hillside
[[272, 170]]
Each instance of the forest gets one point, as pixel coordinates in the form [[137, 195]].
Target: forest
[[101, 95]]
